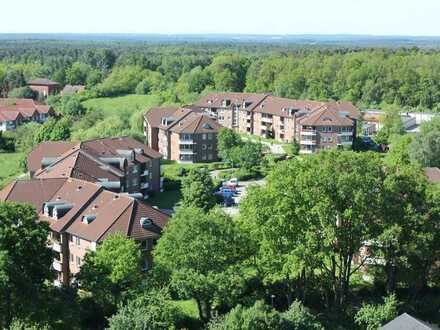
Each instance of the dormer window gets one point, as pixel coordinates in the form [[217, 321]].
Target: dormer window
[[226, 103], [146, 223], [87, 219]]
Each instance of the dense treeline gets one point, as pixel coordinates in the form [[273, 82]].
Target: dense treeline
[[369, 77]]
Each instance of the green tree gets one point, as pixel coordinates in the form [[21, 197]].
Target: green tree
[[372, 317], [315, 215], [25, 262], [23, 92], [112, 271], [425, 148], [257, 317], [391, 125], [227, 139], [78, 73], [54, 130], [150, 311], [299, 317], [198, 190], [203, 253]]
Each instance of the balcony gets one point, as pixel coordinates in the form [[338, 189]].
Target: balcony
[[266, 120], [186, 141], [56, 247], [145, 185], [345, 133], [308, 142], [305, 151], [186, 152], [308, 132], [145, 173], [57, 265], [57, 283]]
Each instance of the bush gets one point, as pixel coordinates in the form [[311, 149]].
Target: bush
[[23, 93]]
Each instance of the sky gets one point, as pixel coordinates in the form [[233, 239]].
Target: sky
[[373, 17]]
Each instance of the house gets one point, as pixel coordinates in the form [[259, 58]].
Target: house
[[72, 89], [44, 87], [14, 112], [407, 322], [118, 164], [81, 215], [186, 135]]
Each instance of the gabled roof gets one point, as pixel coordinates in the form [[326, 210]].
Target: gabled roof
[[407, 322], [79, 164], [72, 89], [26, 107], [42, 82], [110, 146], [112, 212], [325, 117], [215, 100], [279, 106], [52, 149], [10, 115], [154, 115], [196, 123]]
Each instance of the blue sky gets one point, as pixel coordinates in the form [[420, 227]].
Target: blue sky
[[377, 17]]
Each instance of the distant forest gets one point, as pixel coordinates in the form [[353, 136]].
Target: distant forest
[[180, 72]]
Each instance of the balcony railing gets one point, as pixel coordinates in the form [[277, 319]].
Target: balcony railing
[[145, 173], [186, 152], [309, 142], [345, 133], [266, 120], [186, 141], [56, 247], [308, 132]]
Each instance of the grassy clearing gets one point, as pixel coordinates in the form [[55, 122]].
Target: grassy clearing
[[165, 200], [123, 105], [9, 167], [188, 307]]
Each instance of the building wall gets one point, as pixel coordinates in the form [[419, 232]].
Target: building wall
[[245, 122], [205, 147], [44, 90], [77, 251], [163, 145]]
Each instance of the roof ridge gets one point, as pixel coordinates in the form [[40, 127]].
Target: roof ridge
[[116, 219]]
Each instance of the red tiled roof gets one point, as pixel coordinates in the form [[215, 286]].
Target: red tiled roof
[[154, 116], [215, 100], [50, 149], [279, 106], [43, 82], [113, 212], [325, 117]]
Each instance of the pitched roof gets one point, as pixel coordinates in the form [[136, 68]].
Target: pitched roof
[[433, 174], [215, 100], [11, 107], [79, 164], [325, 117], [154, 115], [407, 322], [110, 146], [279, 106], [52, 149], [42, 82], [72, 89], [196, 123], [10, 115], [112, 212]]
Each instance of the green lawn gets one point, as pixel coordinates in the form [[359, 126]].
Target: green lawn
[[123, 105], [9, 167], [165, 200]]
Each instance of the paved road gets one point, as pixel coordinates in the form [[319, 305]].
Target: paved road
[[242, 190]]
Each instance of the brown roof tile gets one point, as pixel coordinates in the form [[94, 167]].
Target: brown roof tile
[[50, 149]]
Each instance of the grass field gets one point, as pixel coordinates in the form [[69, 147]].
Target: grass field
[[9, 167], [123, 105]]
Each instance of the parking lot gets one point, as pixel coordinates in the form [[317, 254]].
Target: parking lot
[[241, 193]]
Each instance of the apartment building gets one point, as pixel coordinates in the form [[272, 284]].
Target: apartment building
[[44, 87], [119, 164], [269, 116], [14, 112], [186, 135], [232, 110], [325, 128], [81, 215]]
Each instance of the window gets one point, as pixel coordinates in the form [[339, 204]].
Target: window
[[71, 238], [204, 146], [145, 265], [210, 136], [78, 261], [135, 169], [71, 258], [203, 157], [78, 241], [204, 136], [134, 182], [210, 157], [209, 146]]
